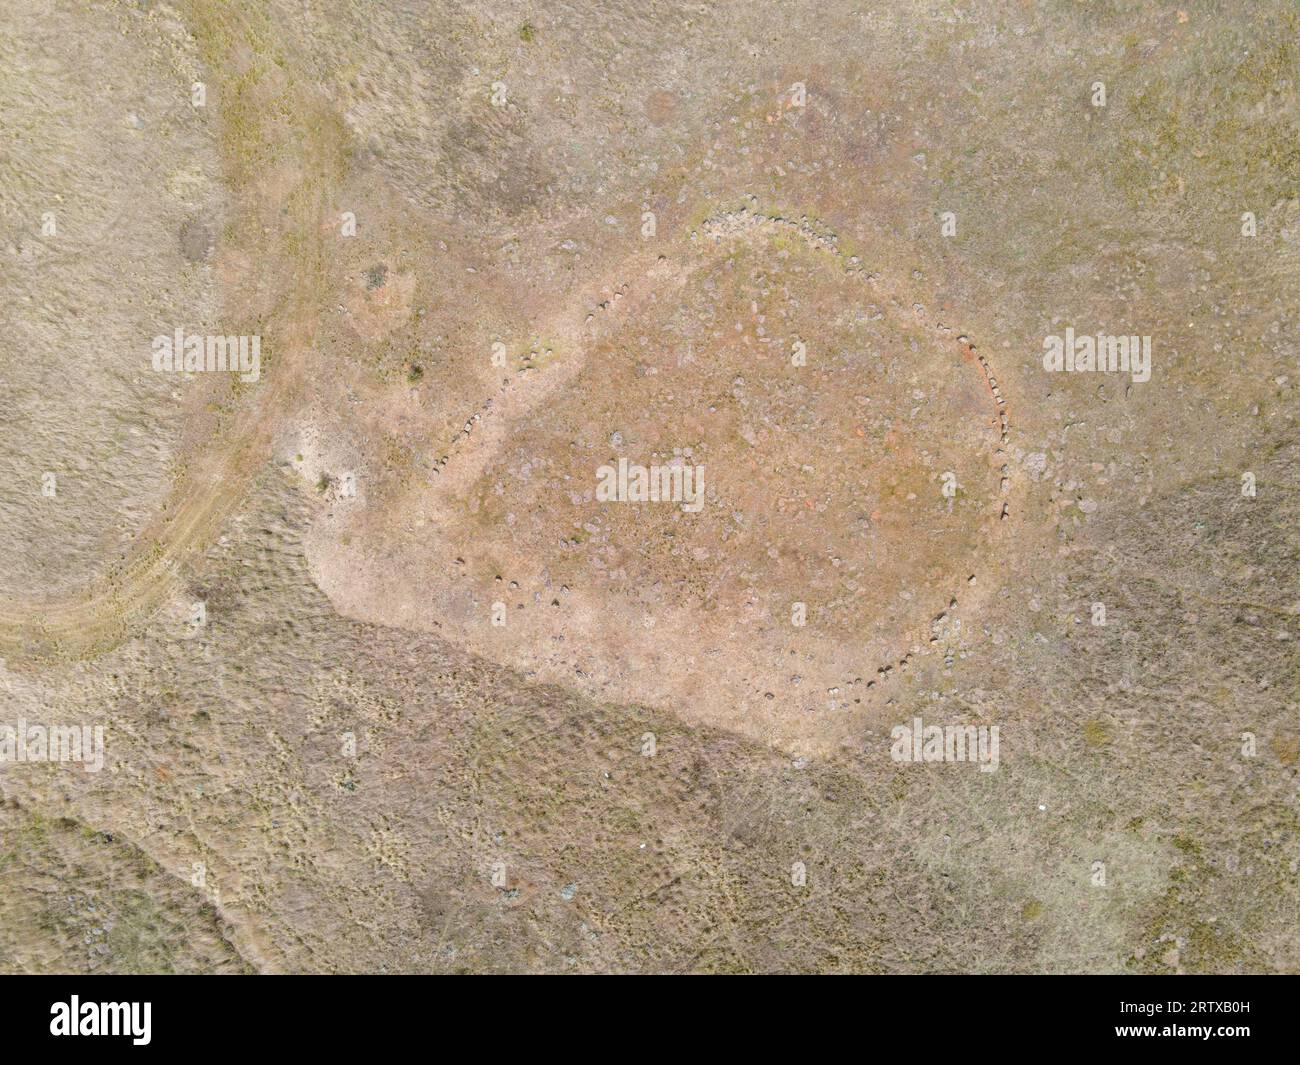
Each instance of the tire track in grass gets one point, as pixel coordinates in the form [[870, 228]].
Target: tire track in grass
[[270, 125]]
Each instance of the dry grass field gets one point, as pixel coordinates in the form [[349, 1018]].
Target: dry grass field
[[393, 669]]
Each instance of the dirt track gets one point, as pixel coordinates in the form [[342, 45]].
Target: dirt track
[[287, 276]]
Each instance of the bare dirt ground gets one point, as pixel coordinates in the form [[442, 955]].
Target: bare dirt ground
[[446, 708]]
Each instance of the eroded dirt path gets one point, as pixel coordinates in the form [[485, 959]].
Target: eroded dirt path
[[282, 156]]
